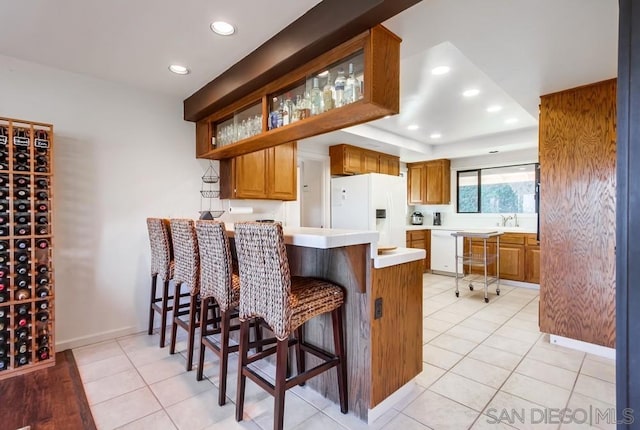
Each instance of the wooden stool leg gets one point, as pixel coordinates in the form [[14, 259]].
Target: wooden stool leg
[[243, 350], [338, 339], [203, 331], [282, 355], [164, 313], [193, 312], [257, 327], [174, 324], [225, 321], [300, 359], [154, 281]]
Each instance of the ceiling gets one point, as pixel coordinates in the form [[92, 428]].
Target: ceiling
[[513, 51]]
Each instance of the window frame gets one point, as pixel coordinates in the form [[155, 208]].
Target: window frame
[[478, 171]]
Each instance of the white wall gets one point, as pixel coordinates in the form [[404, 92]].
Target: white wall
[[121, 155]]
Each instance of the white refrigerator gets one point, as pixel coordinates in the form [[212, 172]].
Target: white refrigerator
[[371, 202]]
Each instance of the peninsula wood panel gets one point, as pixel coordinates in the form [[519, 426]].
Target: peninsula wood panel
[[396, 337], [347, 267], [577, 213]]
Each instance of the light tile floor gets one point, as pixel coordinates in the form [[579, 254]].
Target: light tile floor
[[486, 366]]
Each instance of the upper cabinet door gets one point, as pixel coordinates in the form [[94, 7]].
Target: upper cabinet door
[[251, 175], [282, 172], [416, 184], [434, 173], [370, 162], [352, 161]]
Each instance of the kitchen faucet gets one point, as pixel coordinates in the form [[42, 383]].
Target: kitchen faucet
[[505, 219], [515, 220]]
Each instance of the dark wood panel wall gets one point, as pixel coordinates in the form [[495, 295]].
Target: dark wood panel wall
[[577, 213]]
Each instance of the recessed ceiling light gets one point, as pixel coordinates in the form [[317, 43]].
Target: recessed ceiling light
[[471, 93], [413, 127], [222, 28], [435, 135], [179, 70], [494, 108], [440, 70], [511, 120], [493, 152]]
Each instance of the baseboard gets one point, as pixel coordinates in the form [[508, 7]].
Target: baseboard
[[520, 284], [579, 345], [95, 338], [388, 403]]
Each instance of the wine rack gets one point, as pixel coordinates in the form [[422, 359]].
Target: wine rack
[[26, 266]]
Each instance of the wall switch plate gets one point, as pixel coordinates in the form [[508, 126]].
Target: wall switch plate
[[377, 308]]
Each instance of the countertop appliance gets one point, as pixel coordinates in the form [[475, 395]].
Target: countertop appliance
[[417, 218], [443, 252], [437, 218], [371, 202]]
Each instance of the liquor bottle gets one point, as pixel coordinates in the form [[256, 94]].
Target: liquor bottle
[[42, 292], [352, 87], [304, 106], [280, 114], [23, 294], [42, 316], [273, 115], [21, 193], [317, 103], [42, 243], [328, 96], [22, 244], [42, 183], [339, 84], [287, 117]]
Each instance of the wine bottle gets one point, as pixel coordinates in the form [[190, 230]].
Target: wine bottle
[[42, 268], [42, 230], [4, 364], [21, 168], [22, 309], [42, 243], [42, 316], [42, 207], [4, 245], [4, 337], [42, 219], [42, 279], [42, 183], [43, 353], [22, 206], [21, 157], [22, 218], [4, 271], [22, 257], [43, 306], [43, 339], [41, 160], [4, 230], [21, 181], [23, 244], [22, 193], [4, 206], [22, 230], [42, 195], [22, 321], [23, 294], [22, 359], [4, 297], [3, 312], [22, 269], [22, 333], [4, 257], [42, 292], [4, 180], [4, 353]]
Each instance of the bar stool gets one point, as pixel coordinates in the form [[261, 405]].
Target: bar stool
[[218, 284], [162, 266], [186, 271], [268, 291]]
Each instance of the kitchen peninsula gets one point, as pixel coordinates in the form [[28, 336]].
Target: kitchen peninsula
[[383, 311]]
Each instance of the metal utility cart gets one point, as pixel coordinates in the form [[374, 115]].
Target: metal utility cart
[[484, 259]]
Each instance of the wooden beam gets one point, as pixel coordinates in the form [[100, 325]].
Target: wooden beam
[[314, 33]]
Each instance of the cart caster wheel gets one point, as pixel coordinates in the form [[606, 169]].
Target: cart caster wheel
[[498, 292], [486, 299], [471, 287], [457, 294]]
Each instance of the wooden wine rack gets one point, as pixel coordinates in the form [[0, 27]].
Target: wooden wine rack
[[27, 339]]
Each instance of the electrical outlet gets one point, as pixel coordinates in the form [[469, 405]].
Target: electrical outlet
[[377, 309]]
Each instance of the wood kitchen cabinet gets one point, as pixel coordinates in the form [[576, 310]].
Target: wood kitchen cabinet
[[421, 239], [532, 260], [429, 182], [246, 125], [514, 263], [353, 160], [267, 174]]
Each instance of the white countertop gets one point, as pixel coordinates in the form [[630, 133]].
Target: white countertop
[[398, 256], [467, 228], [324, 238]]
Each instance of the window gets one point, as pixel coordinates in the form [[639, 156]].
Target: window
[[510, 189]]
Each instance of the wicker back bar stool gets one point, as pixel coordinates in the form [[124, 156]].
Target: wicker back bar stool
[[186, 271], [285, 303], [218, 284], [161, 266]]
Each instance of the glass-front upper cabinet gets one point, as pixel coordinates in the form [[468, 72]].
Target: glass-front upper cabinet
[[241, 125], [335, 86]]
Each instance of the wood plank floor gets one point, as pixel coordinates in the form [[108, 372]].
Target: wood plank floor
[[48, 399]]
